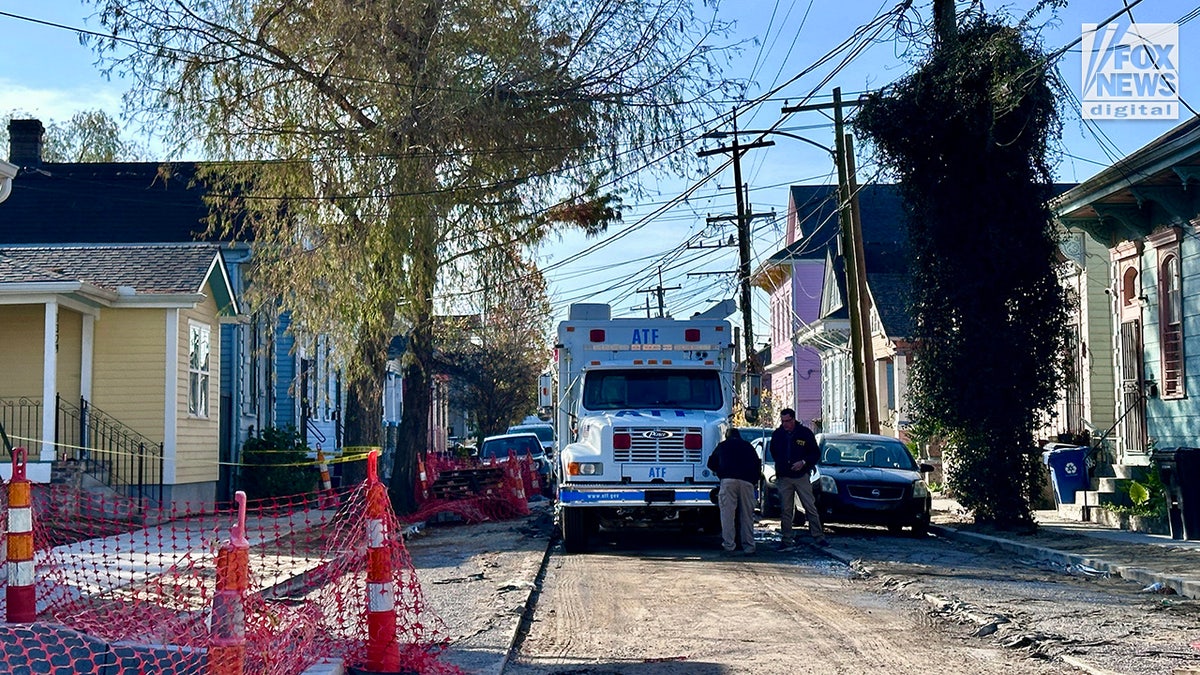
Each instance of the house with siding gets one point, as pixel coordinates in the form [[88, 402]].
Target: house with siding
[[793, 278], [269, 375], [1142, 214], [810, 324], [1085, 410], [119, 334]]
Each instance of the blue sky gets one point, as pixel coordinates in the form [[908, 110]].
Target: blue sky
[[44, 71]]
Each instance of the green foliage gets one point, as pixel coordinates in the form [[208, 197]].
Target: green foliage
[[967, 136], [494, 363], [276, 464], [89, 136], [408, 139], [1148, 497]]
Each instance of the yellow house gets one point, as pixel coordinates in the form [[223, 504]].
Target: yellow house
[[110, 364]]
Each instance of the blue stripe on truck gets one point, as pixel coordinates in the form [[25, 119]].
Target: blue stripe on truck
[[627, 497]]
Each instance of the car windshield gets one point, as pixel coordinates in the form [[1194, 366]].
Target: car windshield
[[864, 453], [682, 389], [499, 448], [751, 434], [545, 434]]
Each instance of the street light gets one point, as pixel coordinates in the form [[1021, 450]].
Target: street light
[[723, 134]]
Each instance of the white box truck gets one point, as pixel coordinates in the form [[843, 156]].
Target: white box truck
[[640, 405]]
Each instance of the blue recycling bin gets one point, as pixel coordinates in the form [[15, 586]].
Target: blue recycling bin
[[1068, 471]]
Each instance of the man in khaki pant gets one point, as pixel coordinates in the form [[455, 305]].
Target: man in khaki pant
[[737, 465], [795, 453]]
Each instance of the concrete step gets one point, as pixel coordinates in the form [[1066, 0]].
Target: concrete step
[[1077, 511], [1101, 498], [1127, 471], [1112, 484]]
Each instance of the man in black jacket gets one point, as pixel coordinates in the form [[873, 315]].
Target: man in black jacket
[[795, 453], [737, 465]]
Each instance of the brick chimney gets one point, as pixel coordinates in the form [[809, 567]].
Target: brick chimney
[[25, 142]]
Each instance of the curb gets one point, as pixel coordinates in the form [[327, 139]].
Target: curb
[[535, 591], [1188, 588]]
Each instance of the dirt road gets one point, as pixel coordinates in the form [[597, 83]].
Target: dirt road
[[649, 603], [873, 602], [1044, 610]]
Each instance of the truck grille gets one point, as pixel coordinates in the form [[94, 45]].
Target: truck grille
[[657, 450]]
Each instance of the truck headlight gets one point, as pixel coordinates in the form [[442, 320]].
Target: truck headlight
[[829, 485], [584, 468], [920, 489]]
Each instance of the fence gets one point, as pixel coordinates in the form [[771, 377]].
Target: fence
[[105, 449]]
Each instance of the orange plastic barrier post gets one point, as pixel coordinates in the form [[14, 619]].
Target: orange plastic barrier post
[[535, 482], [422, 482], [517, 480], [383, 648], [19, 593], [227, 639], [328, 496]]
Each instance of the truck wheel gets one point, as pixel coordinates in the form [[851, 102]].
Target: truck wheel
[[575, 530]]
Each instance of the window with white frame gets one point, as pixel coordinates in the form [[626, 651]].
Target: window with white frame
[[1170, 325], [199, 344]]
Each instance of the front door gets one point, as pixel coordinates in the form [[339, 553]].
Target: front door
[[1133, 405]]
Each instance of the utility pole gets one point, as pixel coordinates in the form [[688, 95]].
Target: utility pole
[[753, 368], [658, 290], [866, 413], [850, 260], [864, 301]]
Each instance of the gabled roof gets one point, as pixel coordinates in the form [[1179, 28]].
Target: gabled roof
[[814, 211], [105, 203], [129, 271], [885, 256], [880, 205]]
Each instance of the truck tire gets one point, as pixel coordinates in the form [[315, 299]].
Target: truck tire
[[575, 530]]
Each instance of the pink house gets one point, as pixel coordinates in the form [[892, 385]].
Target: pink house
[[793, 278]]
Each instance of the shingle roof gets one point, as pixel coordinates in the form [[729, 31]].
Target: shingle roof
[[149, 269], [880, 207], [105, 203]]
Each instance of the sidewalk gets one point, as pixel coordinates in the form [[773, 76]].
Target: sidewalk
[[1088, 549]]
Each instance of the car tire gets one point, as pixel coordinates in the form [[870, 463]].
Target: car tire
[[768, 507], [920, 530], [895, 528]]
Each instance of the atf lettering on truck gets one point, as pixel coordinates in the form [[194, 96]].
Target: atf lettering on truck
[[646, 423], [644, 336]]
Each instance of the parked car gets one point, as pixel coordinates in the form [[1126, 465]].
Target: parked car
[[498, 448], [767, 491], [543, 430], [870, 479], [753, 434]]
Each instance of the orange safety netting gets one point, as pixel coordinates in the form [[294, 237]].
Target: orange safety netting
[[125, 588]]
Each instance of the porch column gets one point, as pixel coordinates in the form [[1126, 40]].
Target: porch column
[[85, 357], [900, 375], [49, 381]]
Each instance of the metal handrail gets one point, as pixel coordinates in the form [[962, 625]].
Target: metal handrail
[[107, 450]]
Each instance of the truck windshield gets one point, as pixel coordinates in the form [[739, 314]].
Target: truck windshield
[[638, 388]]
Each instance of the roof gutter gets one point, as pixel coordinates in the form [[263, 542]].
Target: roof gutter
[[8, 172]]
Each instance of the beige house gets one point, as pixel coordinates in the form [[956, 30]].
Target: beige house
[[110, 364]]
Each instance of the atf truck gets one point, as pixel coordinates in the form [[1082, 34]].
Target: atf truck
[[640, 405]]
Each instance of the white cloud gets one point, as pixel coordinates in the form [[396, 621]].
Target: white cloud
[[57, 104]]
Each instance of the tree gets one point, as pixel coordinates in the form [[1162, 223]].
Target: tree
[[494, 366], [967, 135], [399, 132], [89, 136]]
